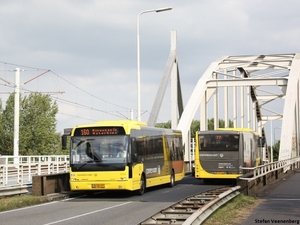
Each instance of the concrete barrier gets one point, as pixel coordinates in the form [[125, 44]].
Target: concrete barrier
[[50, 183]]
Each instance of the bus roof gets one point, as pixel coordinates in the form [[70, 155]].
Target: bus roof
[[236, 129]]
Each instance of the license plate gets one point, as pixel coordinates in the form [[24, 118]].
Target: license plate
[[98, 185]]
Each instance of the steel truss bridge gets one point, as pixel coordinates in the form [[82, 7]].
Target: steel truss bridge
[[250, 90]]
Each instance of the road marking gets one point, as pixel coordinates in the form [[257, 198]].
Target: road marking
[[85, 214]]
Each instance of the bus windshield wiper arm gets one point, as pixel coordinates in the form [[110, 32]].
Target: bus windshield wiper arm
[[82, 165]]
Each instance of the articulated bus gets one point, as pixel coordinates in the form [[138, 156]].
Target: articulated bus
[[221, 153], [124, 155]]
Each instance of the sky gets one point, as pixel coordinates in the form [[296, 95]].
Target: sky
[[90, 48]]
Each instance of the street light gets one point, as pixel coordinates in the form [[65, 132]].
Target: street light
[[138, 54]]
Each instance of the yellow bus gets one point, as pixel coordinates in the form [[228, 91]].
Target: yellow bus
[[221, 153], [124, 155]]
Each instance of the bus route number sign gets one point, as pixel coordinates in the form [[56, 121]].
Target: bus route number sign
[[98, 131]]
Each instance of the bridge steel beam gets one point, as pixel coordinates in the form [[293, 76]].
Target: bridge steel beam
[[171, 70], [289, 145], [258, 88]]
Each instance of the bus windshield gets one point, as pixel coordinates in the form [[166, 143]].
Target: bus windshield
[[99, 149], [216, 142]]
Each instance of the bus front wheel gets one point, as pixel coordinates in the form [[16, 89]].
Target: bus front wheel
[[142, 189]]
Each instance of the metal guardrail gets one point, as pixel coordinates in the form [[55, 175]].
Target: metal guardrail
[[18, 171], [262, 170], [193, 209]]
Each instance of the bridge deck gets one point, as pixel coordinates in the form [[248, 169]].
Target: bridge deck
[[281, 202]]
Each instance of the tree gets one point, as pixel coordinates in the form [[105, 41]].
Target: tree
[[275, 147], [195, 126], [3, 140], [164, 125], [221, 123], [7, 127], [37, 133]]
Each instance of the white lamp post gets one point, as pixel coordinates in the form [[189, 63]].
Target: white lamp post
[[138, 55]]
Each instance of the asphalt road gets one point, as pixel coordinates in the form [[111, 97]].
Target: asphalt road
[[281, 203], [106, 208]]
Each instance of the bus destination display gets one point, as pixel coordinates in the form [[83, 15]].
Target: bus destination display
[[98, 131]]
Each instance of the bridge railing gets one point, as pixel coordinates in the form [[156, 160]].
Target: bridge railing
[[262, 170], [20, 170]]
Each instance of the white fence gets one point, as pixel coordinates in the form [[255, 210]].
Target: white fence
[[19, 170], [262, 170]]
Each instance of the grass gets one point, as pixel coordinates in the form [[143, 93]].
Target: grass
[[19, 201], [233, 212]]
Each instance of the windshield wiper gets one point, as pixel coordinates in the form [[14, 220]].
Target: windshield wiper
[[82, 165]]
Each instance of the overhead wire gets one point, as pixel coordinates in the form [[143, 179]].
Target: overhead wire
[[64, 101]]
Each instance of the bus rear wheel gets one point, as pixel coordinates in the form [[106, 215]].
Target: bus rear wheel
[[172, 180], [142, 189]]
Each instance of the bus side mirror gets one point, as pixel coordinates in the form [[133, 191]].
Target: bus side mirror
[[64, 139], [134, 157], [261, 142]]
